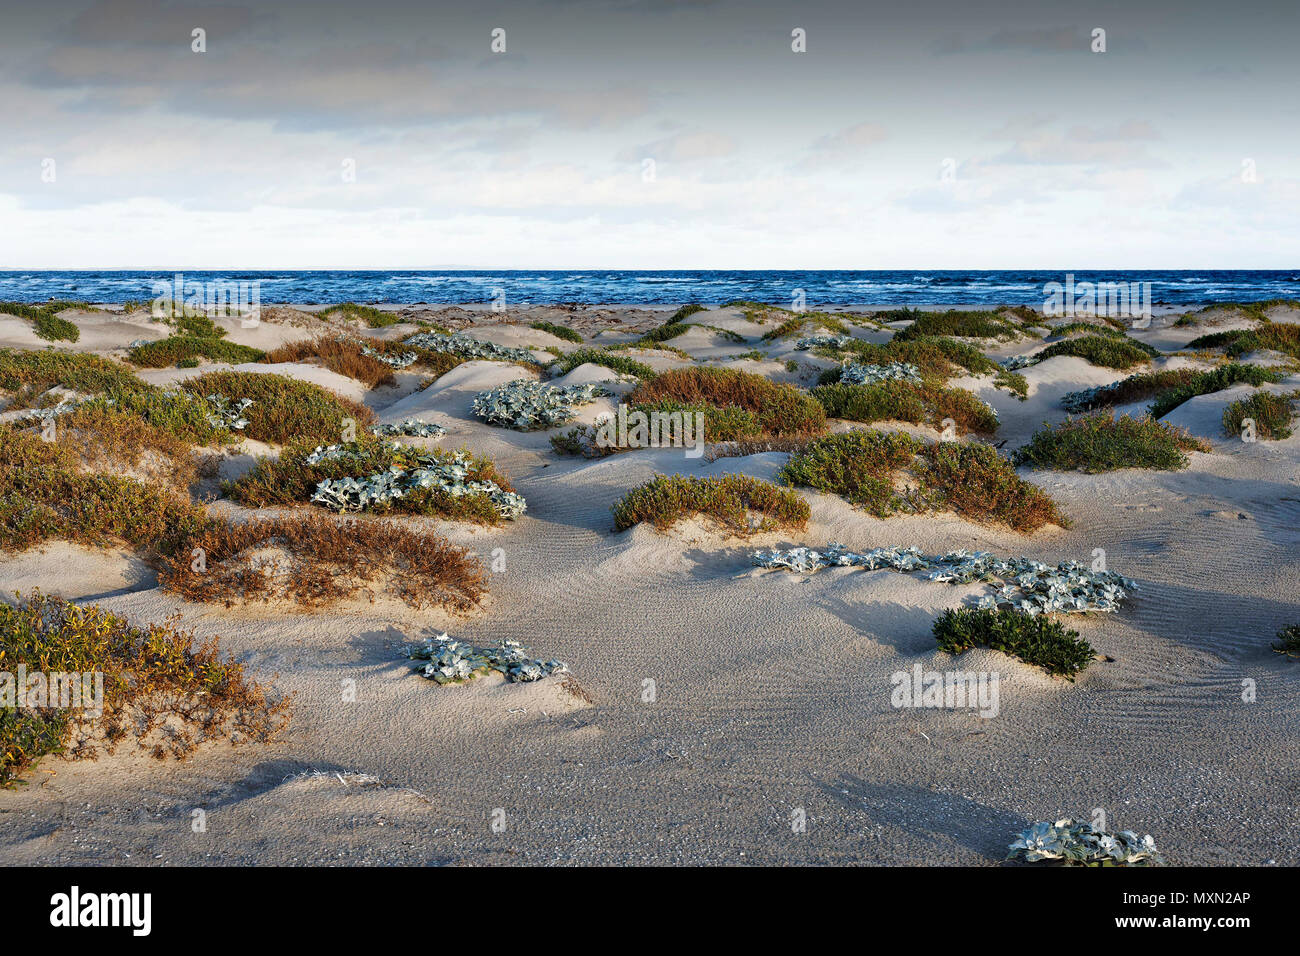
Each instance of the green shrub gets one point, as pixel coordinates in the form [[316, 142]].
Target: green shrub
[[618, 363], [780, 409], [374, 318], [1277, 336], [1171, 387], [721, 423], [1090, 328], [45, 318], [1288, 642], [559, 331], [860, 466], [54, 329], [199, 326], [907, 402], [968, 325], [1214, 380], [32, 373], [177, 348], [283, 409], [1271, 413], [801, 322], [1103, 350], [159, 687], [728, 499], [887, 473], [1034, 638], [934, 356], [177, 412], [44, 496], [1097, 443], [685, 312]]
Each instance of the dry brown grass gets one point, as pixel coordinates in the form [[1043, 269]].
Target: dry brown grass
[[107, 440], [338, 355], [44, 495], [314, 560]]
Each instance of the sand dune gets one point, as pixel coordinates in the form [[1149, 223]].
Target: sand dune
[[771, 691]]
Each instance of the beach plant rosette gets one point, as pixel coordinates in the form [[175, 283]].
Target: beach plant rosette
[[1069, 842]]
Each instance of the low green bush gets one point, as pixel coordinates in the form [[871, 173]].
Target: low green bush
[[892, 472], [160, 687], [559, 331], [1271, 414], [728, 499], [284, 410], [1097, 443], [907, 402], [1103, 350], [1033, 638]]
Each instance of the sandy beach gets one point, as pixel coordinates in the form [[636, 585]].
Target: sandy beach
[[710, 702]]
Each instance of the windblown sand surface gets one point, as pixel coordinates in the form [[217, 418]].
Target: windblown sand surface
[[772, 691]]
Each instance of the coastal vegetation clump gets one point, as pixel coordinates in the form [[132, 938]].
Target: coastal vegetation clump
[[1288, 642], [1172, 386], [30, 374], [889, 473], [741, 504], [45, 319], [444, 660], [799, 322], [675, 326], [1271, 414], [1267, 335], [1036, 639], [283, 409], [381, 477], [559, 331], [1101, 442], [105, 438], [1103, 350], [313, 560], [184, 348], [467, 347], [160, 688], [904, 401], [1087, 328], [1214, 380], [935, 357], [606, 359], [45, 495], [961, 324], [1020, 584], [778, 409], [372, 317], [525, 405], [1068, 842], [344, 356]]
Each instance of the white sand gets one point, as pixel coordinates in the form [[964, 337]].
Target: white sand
[[772, 690]]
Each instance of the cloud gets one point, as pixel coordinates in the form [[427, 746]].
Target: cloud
[[691, 146]]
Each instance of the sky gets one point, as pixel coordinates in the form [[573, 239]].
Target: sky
[[649, 134]]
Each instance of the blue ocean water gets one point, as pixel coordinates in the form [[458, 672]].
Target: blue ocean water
[[522, 287]]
